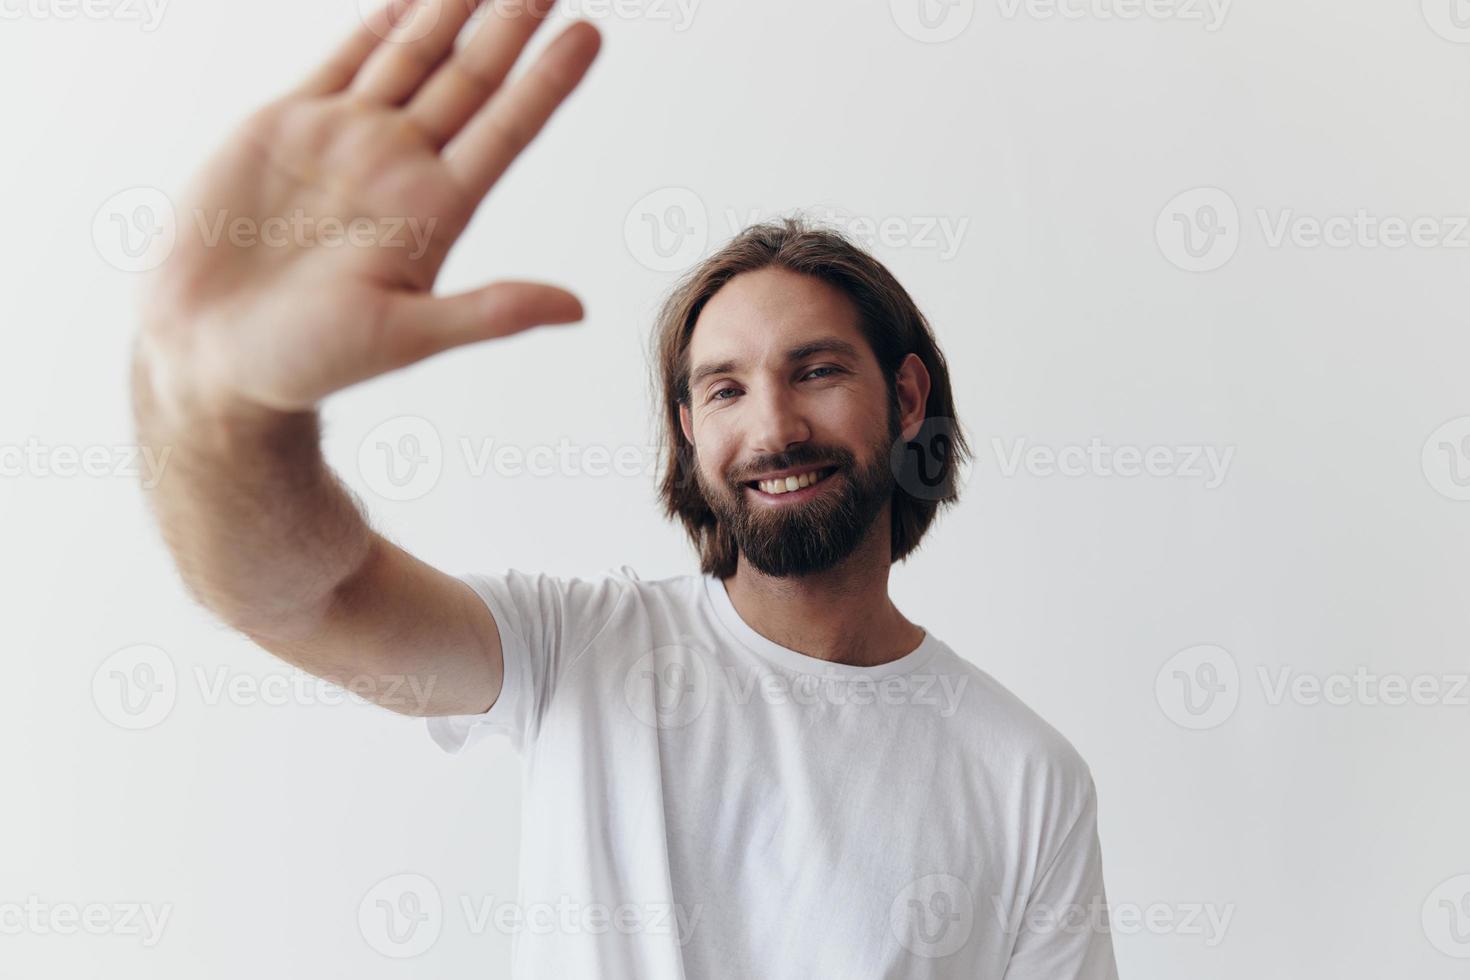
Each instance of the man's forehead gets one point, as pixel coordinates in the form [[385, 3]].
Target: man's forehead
[[776, 293], [770, 311]]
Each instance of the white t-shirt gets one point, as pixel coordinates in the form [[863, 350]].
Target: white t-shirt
[[701, 802]]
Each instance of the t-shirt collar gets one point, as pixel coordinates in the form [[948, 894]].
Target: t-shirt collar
[[744, 634]]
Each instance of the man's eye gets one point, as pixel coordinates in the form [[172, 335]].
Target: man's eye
[[715, 396]]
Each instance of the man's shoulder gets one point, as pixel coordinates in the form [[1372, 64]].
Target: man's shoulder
[[611, 593], [1007, 730], [680, 588], [623, 579]]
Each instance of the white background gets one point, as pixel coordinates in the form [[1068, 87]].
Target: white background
[[1331, 834]]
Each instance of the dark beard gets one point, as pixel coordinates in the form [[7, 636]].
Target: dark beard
[[804, 539]]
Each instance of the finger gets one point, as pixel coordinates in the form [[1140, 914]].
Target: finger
[[337, 72], [421, 325], [470, 75], [515, 114], [413, 49]]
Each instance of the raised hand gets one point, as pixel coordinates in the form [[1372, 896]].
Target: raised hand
[[309, 244]]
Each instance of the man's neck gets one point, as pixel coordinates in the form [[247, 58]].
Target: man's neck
[[842, 615]]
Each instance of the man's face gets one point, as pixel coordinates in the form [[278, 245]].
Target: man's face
[[781, 378]]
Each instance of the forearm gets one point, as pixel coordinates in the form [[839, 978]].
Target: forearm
[[260, 528]]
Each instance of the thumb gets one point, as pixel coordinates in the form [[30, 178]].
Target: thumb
[[430, 324]]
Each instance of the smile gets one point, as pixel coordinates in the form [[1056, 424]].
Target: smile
[[794, 484]]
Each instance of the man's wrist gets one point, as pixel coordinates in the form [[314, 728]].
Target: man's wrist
[[170, 406]]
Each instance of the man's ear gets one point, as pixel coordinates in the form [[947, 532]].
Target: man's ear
[[913, 394], [686, 422]]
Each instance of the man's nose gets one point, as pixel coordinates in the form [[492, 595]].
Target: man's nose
[[779, 422]]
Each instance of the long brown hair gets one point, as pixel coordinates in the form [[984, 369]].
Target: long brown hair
[[893, 326]]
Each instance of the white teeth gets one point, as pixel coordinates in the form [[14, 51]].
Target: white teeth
[[787, 484]]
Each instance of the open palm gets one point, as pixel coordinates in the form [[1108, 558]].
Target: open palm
[[310, 242]]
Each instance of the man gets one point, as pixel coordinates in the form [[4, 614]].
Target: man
[[762, 770]]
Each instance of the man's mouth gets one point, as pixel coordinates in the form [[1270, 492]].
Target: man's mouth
[[793, 482]]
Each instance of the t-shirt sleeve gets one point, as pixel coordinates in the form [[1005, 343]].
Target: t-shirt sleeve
[[1064, 934], [545, 623]]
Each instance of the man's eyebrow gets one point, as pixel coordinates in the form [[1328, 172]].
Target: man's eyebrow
[[826, 345]]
